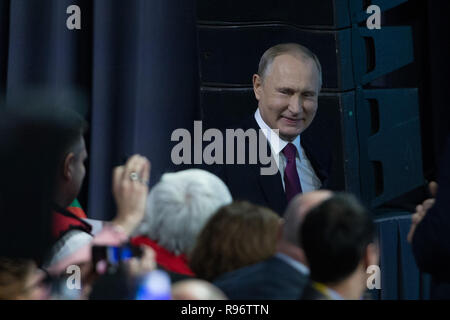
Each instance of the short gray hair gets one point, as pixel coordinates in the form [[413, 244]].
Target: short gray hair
[[179, 206], [287, 48], [296, 211]]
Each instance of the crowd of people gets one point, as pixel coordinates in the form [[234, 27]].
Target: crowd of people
[[188, 229], [225, 233]]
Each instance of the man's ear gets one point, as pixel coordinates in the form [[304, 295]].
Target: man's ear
[[257, 86], [68, 166], [372, 255]]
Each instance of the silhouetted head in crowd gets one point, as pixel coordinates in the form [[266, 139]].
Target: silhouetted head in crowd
[[58, 107], [71, 171], [178, 207], [35, 139], [30, 143], [294, 216], [238, 235], [195, 289], [338, 238]]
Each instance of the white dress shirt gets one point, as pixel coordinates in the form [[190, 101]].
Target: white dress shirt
[[308, 178]]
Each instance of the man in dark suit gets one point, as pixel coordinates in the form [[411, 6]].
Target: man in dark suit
[[287, 87], [284, 275], [339, 242]]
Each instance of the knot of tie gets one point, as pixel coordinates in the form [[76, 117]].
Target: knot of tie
[[290, 151]]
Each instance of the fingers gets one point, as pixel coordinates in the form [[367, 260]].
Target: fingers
[[134, 164], [148, 259], [427, 204], [141, 166], [433, 187], [415, 218], [145, 172], [421, 210], [144, 264], [117, 177], [411, 233], [130, 192]]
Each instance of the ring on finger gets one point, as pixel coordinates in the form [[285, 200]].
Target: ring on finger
[[134, 176]]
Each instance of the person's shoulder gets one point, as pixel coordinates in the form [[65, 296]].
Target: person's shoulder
[[285, 271], [243, 272], [256, 270], [268, 279]]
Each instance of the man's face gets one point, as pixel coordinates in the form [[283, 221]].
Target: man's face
[[288, 94]]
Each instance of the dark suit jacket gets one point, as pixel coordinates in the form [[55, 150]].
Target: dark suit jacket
[[246, 183], [271, 279], [431, 241]]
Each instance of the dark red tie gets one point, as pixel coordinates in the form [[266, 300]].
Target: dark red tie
[[291, 180]]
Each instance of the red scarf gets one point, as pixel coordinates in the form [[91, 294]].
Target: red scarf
[[64, 221], [165, 258]]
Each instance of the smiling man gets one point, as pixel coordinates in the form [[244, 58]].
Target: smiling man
[[287, 87]]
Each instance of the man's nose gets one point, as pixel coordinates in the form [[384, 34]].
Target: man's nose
[[295, 105]]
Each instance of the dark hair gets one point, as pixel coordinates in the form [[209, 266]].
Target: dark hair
[[47, 107], [33, 141], [335, 236], [239, 234]]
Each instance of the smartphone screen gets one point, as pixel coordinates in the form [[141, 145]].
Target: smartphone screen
[[116, 254], [107, 257]]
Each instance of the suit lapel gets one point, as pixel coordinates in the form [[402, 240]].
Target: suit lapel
[[273, 191], [271, 185]]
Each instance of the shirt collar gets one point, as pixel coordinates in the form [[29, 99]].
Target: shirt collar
[[334, 295], [326, 291], [276, 143], [297, 265]]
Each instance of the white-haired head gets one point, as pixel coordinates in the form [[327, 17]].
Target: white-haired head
[[179, 205]]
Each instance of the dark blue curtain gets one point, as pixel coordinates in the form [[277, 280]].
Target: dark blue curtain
[[134, 61]]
